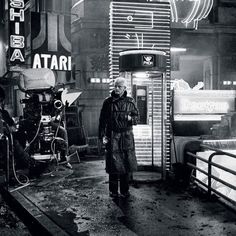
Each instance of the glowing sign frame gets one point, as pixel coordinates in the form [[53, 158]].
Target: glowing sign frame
[[202, 104], [134, 26], [16, 31], [144, 13], [199, 11]]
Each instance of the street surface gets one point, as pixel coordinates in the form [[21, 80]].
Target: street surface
[[10, 224], [78, 201]]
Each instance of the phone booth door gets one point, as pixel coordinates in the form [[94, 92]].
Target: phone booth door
[[148, 91], [147, 86]]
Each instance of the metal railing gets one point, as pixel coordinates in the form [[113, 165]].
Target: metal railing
[[210, 163]]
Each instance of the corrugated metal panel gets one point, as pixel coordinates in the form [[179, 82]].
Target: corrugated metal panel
[[145, 25]]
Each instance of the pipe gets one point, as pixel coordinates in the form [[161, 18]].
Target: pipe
[[4, 137]]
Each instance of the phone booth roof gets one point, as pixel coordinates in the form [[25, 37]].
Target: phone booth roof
[[142, 60]]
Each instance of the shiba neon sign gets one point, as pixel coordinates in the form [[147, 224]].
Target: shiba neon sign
[[16, 28]]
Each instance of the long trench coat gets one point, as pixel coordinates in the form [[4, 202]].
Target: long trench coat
[[114, 123]]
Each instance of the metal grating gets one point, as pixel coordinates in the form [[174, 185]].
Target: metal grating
[[135, 25]]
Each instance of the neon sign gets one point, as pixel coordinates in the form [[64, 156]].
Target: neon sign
[[52, 62], [206, 106], [198, 10], [146, 16], [51, 41], [190, 101], [16, 31]]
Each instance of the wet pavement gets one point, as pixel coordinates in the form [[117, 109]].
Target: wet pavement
[[10, 224], [77, 201]]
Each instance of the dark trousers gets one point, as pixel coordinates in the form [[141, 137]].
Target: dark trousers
[[114, 183]]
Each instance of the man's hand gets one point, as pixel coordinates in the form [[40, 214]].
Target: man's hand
[[129, 118], [105, 140], [13, 129]]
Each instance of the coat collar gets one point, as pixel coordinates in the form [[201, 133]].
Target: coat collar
[[115, 97]]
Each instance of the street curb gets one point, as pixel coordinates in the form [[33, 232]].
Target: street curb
[[145, 181], [146, 177], [36, 221]]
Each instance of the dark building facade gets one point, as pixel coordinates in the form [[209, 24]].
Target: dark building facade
[[209, 57], [90, 40], [210, 50]]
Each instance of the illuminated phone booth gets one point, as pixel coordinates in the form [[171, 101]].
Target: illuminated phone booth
[[145, 74]]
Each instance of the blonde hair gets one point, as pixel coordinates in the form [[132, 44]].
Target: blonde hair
[[120, 80]]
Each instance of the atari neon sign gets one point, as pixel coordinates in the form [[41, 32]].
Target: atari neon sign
[[51, 41], [16, 31]]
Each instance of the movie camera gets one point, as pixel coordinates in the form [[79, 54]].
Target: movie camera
[[42, 122]]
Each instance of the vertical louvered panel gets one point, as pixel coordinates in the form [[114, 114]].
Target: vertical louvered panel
[[145, 26]]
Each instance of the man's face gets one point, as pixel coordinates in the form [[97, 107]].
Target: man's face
[[119, 88]]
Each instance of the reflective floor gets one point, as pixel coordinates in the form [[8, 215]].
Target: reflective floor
[[78, 201]]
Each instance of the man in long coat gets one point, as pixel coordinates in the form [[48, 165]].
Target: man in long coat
[[118, 114]]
